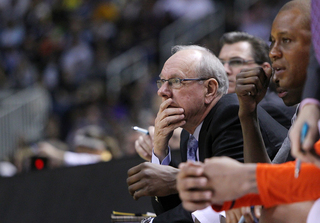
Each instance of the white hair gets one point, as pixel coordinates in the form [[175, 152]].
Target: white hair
[[209, 66]]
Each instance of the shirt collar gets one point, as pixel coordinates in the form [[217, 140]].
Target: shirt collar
[[197, 131]]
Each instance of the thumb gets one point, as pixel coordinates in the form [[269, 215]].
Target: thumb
[[151, 131], [257, 211]]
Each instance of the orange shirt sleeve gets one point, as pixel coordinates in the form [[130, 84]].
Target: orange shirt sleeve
[[248, 200], [277, 184]]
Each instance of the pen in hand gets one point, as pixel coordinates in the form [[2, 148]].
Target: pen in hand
[[138, 129], [242, 220], [304, 131]]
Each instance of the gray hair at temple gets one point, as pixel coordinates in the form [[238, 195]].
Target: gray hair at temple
[[209, 66]]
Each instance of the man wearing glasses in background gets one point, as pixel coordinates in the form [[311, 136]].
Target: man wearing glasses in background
[[240, 50], [193, 86]]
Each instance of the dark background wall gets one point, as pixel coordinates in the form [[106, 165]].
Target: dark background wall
[[74, 194]]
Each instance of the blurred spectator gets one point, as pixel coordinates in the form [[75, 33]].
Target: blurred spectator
[[76, 60], [24, 154], [91, 145], [258, 19], [66, 46], [7, 169], [188, 9], [13, 34], [93, 139]]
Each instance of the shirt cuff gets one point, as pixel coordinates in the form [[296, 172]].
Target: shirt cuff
[[314, 214], [165, 161], [208, 215], [309, 101]]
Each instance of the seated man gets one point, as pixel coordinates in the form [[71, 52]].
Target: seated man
[[193, 87], [289, 62], [240, 50], [91, 145]]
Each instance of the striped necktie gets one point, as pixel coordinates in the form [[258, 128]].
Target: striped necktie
[[192, 148]]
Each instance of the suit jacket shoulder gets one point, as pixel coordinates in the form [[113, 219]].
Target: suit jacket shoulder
[[221, 133], [312, 85]]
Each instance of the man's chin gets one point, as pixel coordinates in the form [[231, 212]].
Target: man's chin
[[292, 97], [289, 102]]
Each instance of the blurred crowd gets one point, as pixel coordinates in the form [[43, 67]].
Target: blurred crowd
[[65, 46]]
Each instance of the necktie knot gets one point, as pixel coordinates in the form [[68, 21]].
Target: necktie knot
[[192, 148]]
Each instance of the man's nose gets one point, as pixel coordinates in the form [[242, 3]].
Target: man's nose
[[227, 68], [165, 90], [275, 52]]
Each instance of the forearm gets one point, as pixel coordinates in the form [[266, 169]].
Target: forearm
[[161, 150], [171, 183], [232, 181], [253, 146]]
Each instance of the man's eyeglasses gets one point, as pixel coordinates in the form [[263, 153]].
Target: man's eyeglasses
[[237, 62], [177, 82]]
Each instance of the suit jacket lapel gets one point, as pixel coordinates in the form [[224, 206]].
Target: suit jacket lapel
[[204, 130], [202, 136], [183, 145]]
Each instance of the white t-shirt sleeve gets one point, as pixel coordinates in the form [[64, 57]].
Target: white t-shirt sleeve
[[75, 159]]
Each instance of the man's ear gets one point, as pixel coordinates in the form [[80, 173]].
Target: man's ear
[[267, 69], [212, 86]]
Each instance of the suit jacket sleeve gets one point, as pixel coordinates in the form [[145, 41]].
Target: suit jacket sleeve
[[312, 85], [177, 214], [223, 134], [273, 133]]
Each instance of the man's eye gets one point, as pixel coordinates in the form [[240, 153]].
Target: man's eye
[[174, 81], [285, 40], [235, 62]]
